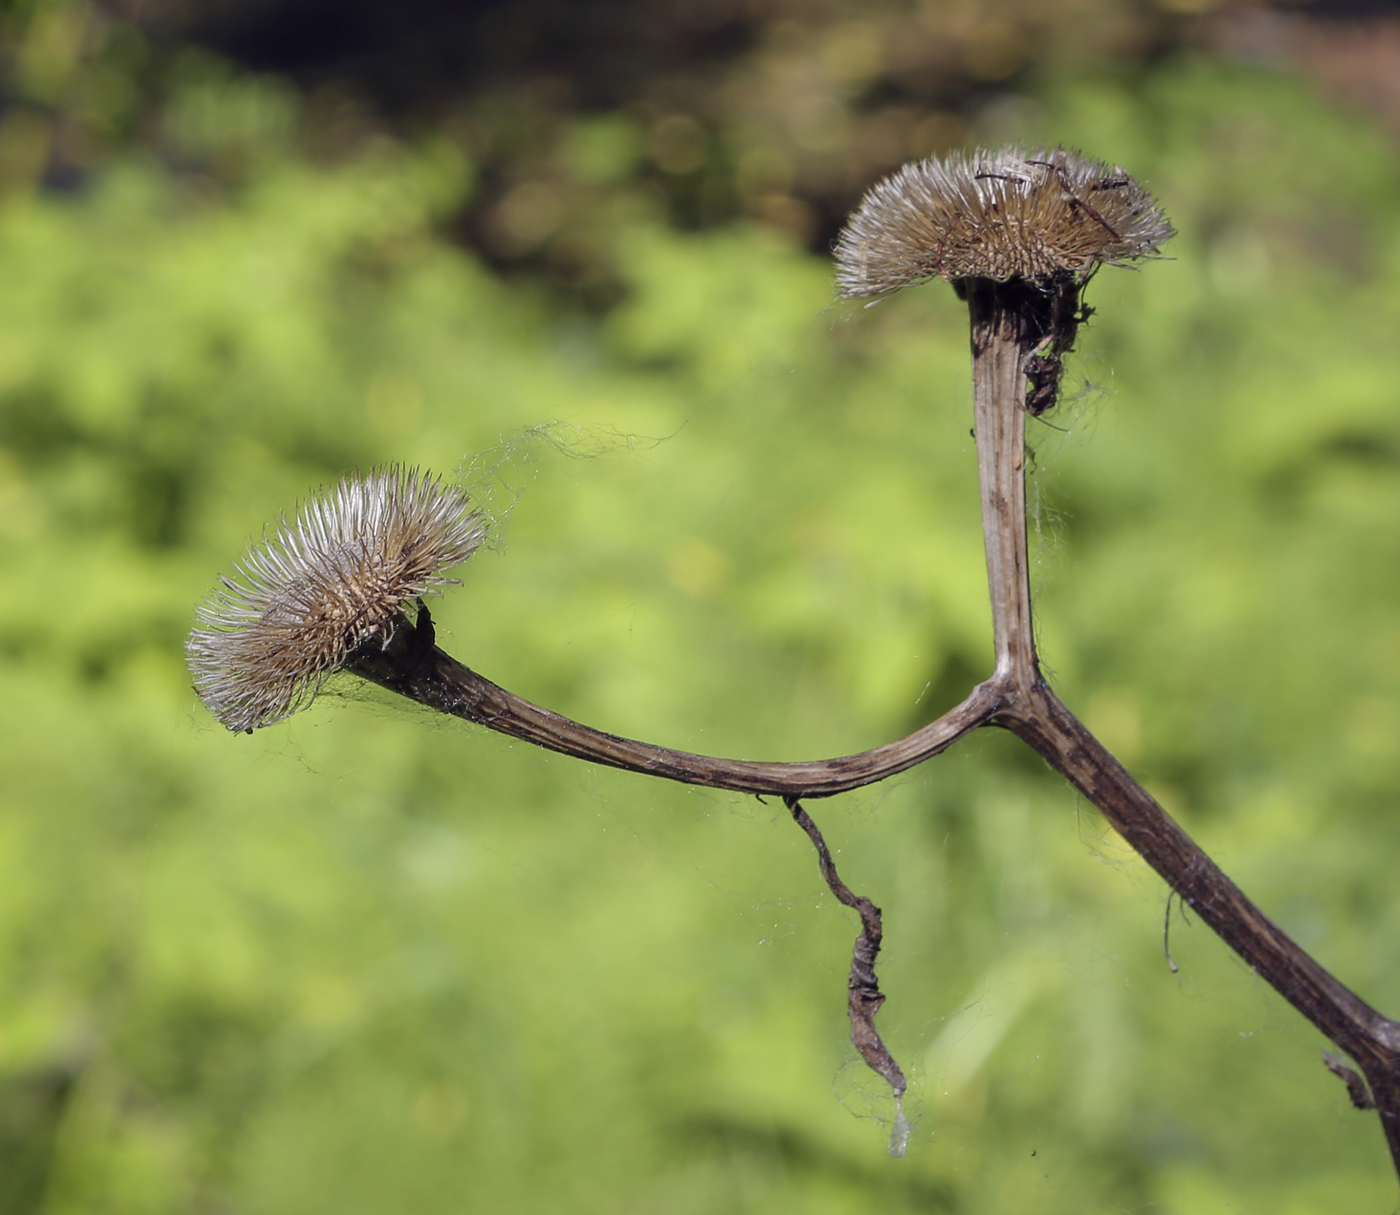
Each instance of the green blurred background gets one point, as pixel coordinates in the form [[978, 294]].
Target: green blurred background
[[371, 961]]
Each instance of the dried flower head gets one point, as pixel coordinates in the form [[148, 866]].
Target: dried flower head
[[1009, 214], [317, 587]]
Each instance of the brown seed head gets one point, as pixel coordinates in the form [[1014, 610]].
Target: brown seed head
[[317, 587], [1009, 214]]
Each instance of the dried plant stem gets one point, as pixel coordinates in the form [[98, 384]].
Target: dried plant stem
[[999, 348], [1368, 1037], [1008, 322], [1000, 343], [413, 666]]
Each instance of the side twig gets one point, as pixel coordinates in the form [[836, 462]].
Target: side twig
[[411, 665], [866, 997], [1356, 1087]]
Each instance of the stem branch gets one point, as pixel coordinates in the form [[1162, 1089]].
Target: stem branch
[[865, 995], [411, 665]]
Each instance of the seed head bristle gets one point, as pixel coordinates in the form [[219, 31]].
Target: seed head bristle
[[998, 215], [322, 584]]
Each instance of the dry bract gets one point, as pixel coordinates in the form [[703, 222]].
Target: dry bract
[[1009, 214], [317, 587]]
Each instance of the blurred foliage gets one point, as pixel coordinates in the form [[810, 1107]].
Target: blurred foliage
[[368, 961], [576, 115]]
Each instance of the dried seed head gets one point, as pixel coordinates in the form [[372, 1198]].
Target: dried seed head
[[317, 587], [1002, 215]]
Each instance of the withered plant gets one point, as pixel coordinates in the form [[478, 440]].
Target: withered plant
[[1019, 234]]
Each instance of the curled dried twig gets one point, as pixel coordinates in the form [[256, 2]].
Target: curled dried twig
[[865, 995]]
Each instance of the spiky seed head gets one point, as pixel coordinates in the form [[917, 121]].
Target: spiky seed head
[[1008, 214], [320, 585]]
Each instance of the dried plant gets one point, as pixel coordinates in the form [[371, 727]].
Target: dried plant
[[1038, 224], [319, 587], [1002, 215], [1019, 235]]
